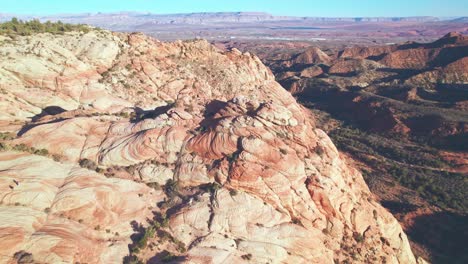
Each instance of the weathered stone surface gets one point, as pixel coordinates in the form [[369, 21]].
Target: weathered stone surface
[[255, 179]]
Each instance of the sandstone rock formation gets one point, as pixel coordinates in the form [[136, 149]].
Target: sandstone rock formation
[[410, 72], [412, 55], [246, 174], [312, 55], [353, 66], [400, 111]]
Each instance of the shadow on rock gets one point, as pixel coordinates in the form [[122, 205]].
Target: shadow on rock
[[166, 257], [49, 110]]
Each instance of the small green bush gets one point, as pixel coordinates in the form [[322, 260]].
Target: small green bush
[[21, 147], [143, 241], [42, 152]]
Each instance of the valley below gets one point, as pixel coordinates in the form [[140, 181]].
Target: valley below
[[401, 115]]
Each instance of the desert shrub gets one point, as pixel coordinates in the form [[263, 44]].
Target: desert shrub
[[180, 246], [233, 192], [88, 164], [56, 157], [154, 185], [24, 148], [131, 169], [21, 147], [6, 136], [444, 189], [247, 256], [3, 147], [441, 188], [124, 114], [143, 241], [171, 188], [358, 237], [42, 152], [211, 187]]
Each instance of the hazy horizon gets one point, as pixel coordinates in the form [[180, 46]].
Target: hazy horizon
[[300, 8], [213, 12]]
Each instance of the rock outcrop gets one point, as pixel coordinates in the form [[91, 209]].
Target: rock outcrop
[[412, 55], [398, 110], [410, 72], [312, 55], [246, 174]]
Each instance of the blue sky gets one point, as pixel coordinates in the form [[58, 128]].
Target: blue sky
[[325, 8]]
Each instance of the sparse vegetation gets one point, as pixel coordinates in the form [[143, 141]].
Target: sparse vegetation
[[56, 157], [41, 152], [143, 241], [211, 187], [3, 146], [26, 28], [88, 164], [156, 227], [171, 188], [124, 114], [154, 185], [416, 167], [6, 136], [24, 148], [358, 237], [247, 256]]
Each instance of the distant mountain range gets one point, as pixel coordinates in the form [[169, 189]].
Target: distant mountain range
[[138, 18], [258, 25]]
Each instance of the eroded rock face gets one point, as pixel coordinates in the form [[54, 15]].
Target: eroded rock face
[[312, 55], [409, 72], [63, 213], [247, 174], [412, 55]]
